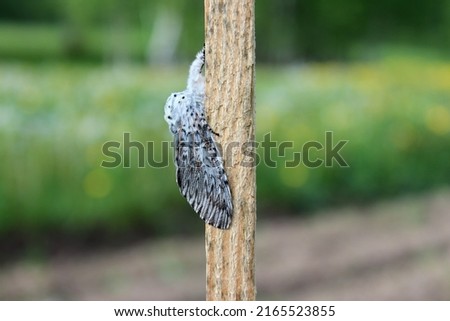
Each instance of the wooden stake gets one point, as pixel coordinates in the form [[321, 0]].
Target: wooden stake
[[230, 83]]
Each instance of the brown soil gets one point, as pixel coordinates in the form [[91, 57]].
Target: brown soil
[[396, 250]]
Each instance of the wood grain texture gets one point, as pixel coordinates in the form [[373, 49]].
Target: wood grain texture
[[230, 108]]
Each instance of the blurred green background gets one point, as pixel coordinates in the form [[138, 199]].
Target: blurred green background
[[75, 74]]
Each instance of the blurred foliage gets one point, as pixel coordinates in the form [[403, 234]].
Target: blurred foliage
[[395, 114], [56, 114], [286, 30], [54, 119]]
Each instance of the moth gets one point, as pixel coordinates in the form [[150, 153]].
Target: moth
[[200, 173]]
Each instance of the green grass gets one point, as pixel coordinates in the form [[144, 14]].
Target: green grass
[[395, 114], [55, 117]]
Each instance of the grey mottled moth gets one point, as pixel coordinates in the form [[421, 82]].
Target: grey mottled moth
[[200, 173]]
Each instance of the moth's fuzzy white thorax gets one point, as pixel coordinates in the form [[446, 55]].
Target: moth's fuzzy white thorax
[[196, 80]]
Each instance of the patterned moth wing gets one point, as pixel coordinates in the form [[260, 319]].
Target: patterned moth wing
[[200, 173]]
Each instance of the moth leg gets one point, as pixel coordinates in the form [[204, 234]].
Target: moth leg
[[202, 57], [207, 127]]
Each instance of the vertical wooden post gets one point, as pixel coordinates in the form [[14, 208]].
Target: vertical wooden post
[[230, 83]]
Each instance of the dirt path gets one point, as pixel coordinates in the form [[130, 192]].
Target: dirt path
[[397, 250]]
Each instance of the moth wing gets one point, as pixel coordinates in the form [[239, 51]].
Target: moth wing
[[201, 176]]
